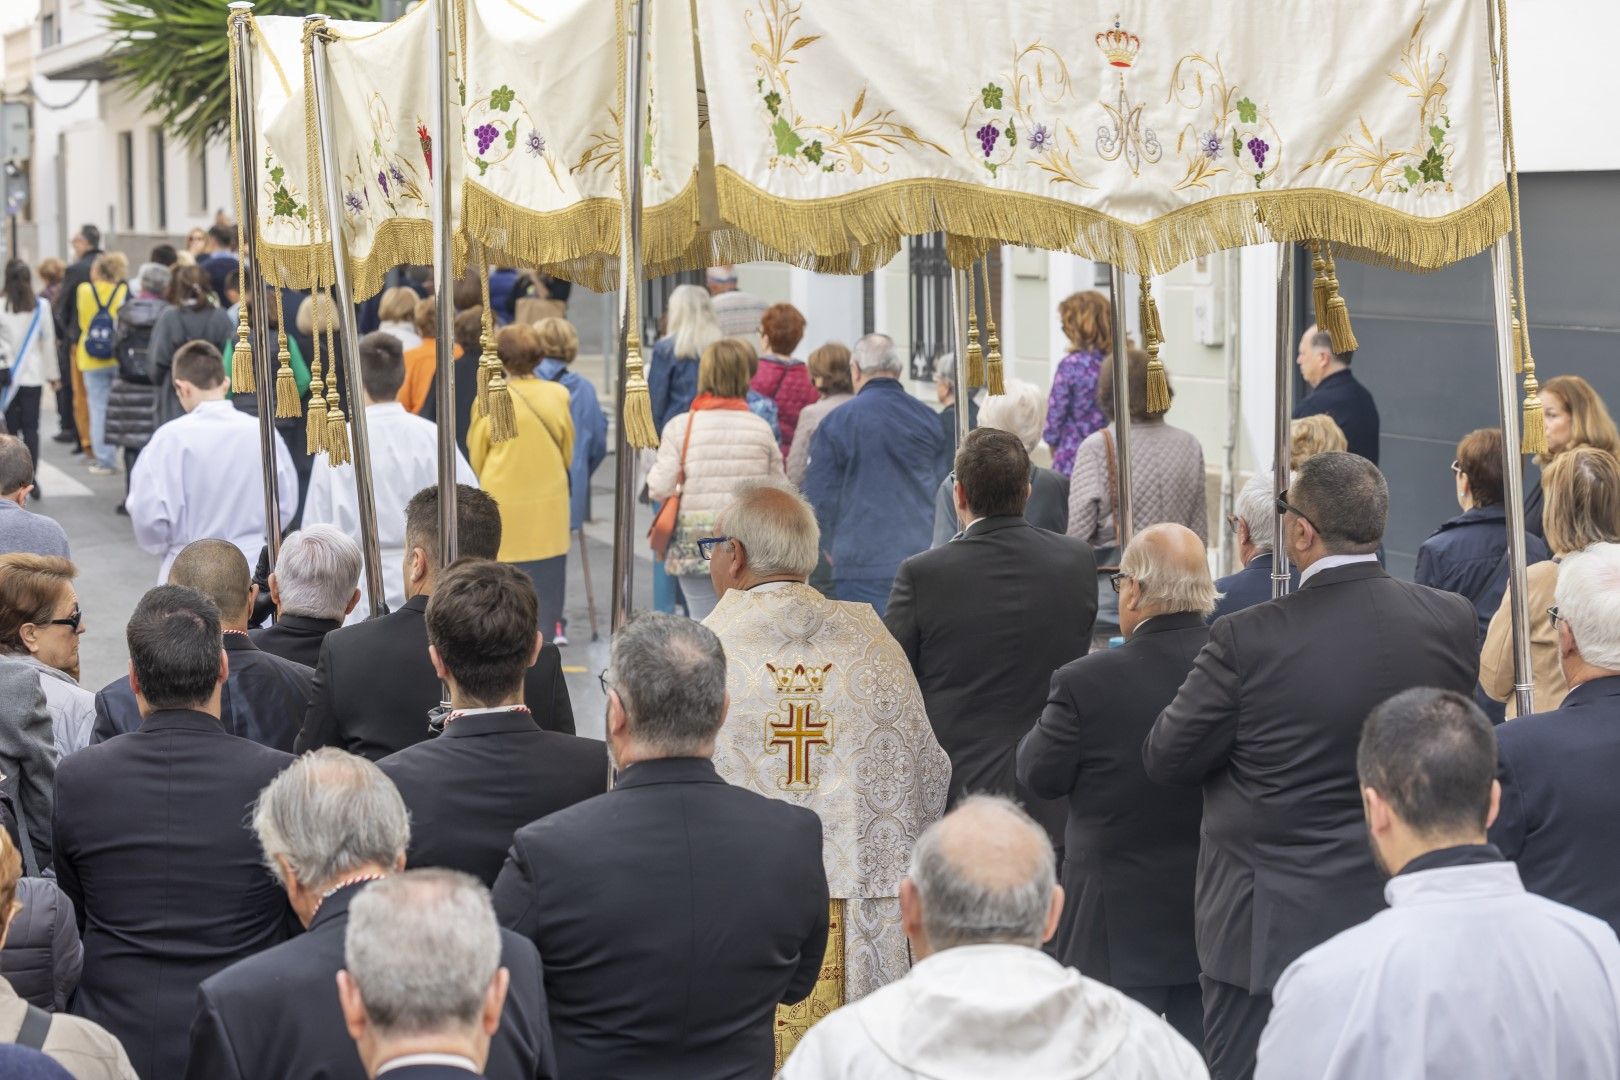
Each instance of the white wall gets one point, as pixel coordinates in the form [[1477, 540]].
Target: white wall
[[1561, 62]]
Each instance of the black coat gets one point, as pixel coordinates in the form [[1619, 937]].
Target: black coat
[[66, 309], [375, 685], [275, 1016], [43, 957], [263, 698], [154, 849], [297, 638], [465, 369], [1268, 723], [674, 914], [985, 620], [1351, 406], [1560, 814], [1131, 849], [1248, 586], [1467, 555], [487, 776]]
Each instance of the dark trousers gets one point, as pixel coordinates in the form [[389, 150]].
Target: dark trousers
[[550, 577], [1182, 1005], [1233, 1021], [22, 419], [64, 392], [130, 454]]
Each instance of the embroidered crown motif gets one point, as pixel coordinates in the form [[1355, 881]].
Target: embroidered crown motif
[[1119, 47], [799, 679]]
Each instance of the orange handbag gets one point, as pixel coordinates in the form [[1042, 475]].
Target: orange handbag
[[663, 527]]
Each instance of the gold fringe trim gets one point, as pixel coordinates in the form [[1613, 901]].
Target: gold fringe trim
[[398, 242], [976, 217]]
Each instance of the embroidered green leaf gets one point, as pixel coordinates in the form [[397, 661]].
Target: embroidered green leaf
[[1259, 178], [303, 211], [511, 138], [376, 148], [647, 147], [1237, 144], [284, 206], [773, 102], [991, 96], [461, 89], [483, 166], [991, 166], [1011, 135], [813, 152], [1248, 111], [1438, 134], [277, 175], [1433, 167], [1412, 177], [501, 98], [787, 140]]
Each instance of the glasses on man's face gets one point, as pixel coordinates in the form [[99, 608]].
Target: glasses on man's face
[[1116, 579], [707, 544], [1283, 507], [73, 621]]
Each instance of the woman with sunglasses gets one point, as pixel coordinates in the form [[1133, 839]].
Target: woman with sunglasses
[[40, 624]]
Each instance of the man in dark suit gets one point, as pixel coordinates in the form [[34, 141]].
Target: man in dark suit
[[151, 840], [1335, 391], [329, 825], [86, 245], [1268, 723], [264, 696], [493, 770], [1131, 846], [314, 587], [375, 686], [1560, 811], [988, 617], [676, 911], [1254, 525]]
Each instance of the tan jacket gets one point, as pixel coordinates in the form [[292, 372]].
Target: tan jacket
[[80, 1046], [1496, 658]]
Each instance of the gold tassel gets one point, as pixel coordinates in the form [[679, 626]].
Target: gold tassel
[[286, 384], [1158, 383], [502, 417], [1319, 284], [337, 436], [638, 420], [489, 365], [242, 380], [315, 416], [1535, 422], [994, 379], [1518, 336], [974, 354], [1336, 318]]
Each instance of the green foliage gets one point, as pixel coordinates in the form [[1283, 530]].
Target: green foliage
[[173, 54], [1433, 167], [991, 95], [501, 97], [1248, 111], [787, 140]]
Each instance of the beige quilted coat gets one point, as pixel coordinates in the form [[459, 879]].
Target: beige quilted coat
[[728, 446]]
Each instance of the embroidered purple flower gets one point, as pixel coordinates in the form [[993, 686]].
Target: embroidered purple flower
[[382, 182], [1040, 138], [1209, 143], [486, 135], [535, 144], [987, 137], [352, 201], [394, 171]]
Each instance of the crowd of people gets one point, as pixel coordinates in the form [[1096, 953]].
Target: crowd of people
[[938, 775]]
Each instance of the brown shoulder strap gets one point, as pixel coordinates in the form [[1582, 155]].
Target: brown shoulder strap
[[686, 442]]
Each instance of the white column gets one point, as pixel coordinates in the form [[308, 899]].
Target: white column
[[1257, 360], [831, 304], [1065, 274]]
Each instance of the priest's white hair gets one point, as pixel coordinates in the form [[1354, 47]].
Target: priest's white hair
[[318, 572], [775, 526], [1588, 597]]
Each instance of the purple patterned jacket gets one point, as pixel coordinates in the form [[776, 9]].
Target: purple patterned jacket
[[1072, 412]]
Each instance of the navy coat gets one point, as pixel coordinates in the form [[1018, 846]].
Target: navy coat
[[1351, 407], [1248, 586], [1466, 556]]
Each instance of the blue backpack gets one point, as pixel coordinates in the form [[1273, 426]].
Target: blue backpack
[[101, 337]]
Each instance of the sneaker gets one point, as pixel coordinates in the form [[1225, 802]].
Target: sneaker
[[98, 469], [560, 637], [65, 437]]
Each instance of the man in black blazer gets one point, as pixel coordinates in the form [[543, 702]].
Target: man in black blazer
[[314, 587], [375, 687], [329, 825], [1336, 392], [152, 845], [493, 770], [988, 617], [263, 697], [1560, 811], [1253, 524], [1268, 723], [676, 911], [1131, 846]]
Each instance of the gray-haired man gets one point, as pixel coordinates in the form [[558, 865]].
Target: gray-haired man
[[1254, 525], [314, 586], [329, 825], [984, 1000]]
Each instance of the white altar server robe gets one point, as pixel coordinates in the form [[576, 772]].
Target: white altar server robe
[[404, 460], [199, 478], [1466, 975]]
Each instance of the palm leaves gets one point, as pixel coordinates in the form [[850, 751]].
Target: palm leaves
[[173, 53]]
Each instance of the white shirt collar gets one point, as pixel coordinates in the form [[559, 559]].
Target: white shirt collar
[[384, 408], [1329, 562], [453, 1061], [219, 406]]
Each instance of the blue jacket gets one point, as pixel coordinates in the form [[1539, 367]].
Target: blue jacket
[[671, 382], [1466, 555], [590, 435], [875, 463], [1248, 586], [1351, 407]]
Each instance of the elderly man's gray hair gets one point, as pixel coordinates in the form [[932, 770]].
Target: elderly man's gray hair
[[328, 814], [876, 352], [670, 673], [422, 948], [775, 526], [318, 571], [1588, 595], [154, 278], [1256, 507], [984, 874], [1167, 582]]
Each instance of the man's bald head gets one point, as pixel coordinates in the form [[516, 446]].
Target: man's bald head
[[983, 874], [1170, 567], [216, 569]]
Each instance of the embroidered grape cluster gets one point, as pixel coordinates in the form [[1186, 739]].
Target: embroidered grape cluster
[[987, 136], [486, 134], [1258, 147]]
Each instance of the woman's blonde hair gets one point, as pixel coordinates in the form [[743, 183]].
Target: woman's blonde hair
[[558, 339], [111, 266], [1589, 420], [518, 346], [318, 306], [691, 320], [397, 305], [1312, 435], [1087, 321], [1581, 487], [726, 368]]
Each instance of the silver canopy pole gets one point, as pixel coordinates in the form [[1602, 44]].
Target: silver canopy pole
[[1512, 479], [1123, 530], [444, 311], [1282, 445], [252, 281], [624, 496], [344, 301]]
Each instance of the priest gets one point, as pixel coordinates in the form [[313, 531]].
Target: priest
[[825, 713], [404, 460]]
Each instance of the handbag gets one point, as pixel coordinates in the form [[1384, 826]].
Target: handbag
[[663, 526]]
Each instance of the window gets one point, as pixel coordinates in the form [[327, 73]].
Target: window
[[160, 182], [930, 289], [126, 179], [48, 35]]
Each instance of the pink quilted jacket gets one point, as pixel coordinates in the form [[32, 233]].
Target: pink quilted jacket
[[788, 384], [728, 446]]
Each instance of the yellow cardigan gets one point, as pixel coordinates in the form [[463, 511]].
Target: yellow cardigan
[[528, 476]]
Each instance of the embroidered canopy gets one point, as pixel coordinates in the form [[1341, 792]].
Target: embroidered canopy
[[824, 132]]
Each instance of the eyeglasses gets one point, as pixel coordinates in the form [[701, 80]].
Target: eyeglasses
[[707, 544], [1115, 579], [73, 621], [1552, 613], [1283, 507], [601, 677], [1456, 467]]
